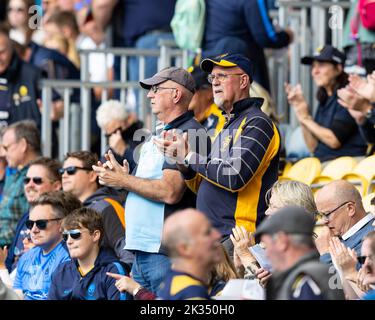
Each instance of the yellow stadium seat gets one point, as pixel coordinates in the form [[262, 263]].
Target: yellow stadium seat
[[334, 170], [363, 175], [305, 170], [367, 202]]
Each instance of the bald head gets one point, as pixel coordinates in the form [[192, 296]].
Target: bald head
[[178, 229], [339, 192]]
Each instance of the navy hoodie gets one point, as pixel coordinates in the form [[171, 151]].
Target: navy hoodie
[[68, 284]]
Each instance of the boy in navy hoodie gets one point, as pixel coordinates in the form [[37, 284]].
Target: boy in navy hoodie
[[84, 277]]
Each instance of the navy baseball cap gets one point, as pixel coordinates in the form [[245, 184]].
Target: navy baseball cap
[[200, 78], [326, 54], [229, 61]]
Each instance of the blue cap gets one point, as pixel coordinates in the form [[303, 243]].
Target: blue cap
[[325, 54], [229, 61]]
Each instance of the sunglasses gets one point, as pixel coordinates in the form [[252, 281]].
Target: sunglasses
[[40, 224], [72, 170], [36, 180], [74, 234]]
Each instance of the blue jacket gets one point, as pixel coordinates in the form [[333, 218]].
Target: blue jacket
[[354, 242], [68, 284]]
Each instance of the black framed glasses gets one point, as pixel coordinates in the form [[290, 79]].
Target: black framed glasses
[[74, 234], [6, 148], [72, 170], [155, 89], [221, 76], [36, 180], [40, 224], [326, 215]]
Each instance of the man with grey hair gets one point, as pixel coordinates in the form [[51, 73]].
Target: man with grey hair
[[21, 144], [340, 206], [297, 272], [157, 189], [119, 127]]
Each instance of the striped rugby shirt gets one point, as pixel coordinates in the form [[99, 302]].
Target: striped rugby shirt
[[243, 164]]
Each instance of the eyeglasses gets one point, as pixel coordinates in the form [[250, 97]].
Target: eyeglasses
[[362, 259], [72, 170], [221, 76], [36, 180], [6, 148], [155, 89], [74, 234], [16, 9], [327, 214], [107, 135], [41, 224]]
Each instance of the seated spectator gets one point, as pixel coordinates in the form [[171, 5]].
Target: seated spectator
[[84, 277], [332, 132], [355, 283], [369, 278], [37, 265], [340, 206], [359, 98], [42, 176], [282, 194], [21, 143], [79, 179], [119, 128], [299, 275], [220, 274]]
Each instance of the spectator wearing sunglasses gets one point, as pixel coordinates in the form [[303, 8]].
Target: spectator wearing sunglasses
[[84, 277], [42, 176], [79, 179], [340, 206], [36, 266], [21, 143]]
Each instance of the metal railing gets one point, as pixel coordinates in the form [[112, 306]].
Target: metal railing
[[314, 23], [75, 126]]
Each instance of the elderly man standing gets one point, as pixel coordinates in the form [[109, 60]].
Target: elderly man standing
[[157, 189], [297, 272], [244, 159], [21, 143], [341, 208]]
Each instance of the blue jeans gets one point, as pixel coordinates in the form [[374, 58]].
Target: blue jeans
[[150, 269]]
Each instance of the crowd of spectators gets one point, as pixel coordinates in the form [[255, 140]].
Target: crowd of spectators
[[179, 211]]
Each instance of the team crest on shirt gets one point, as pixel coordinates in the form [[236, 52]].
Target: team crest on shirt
[[225, 143], [91, 292]]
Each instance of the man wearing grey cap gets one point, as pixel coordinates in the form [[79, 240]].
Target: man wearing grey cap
[[157, 188], [297, 272]]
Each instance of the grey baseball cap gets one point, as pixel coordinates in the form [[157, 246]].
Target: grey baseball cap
[[291, 220], [178, 75]]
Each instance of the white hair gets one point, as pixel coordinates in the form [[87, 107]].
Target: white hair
[[110, 110]]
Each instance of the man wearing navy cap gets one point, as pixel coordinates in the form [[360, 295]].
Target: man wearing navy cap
[[298, 274], [244, 158]]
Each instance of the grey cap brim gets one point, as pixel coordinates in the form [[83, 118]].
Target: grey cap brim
[[148, 83]]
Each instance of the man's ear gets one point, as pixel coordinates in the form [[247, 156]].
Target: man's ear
[[93, 176], [177, 95], [244, 81]]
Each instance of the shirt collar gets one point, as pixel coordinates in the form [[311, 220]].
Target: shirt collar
[[242, 105], [354, 229], [179, 120]]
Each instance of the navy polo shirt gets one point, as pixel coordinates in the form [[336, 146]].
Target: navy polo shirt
[[336, 118]]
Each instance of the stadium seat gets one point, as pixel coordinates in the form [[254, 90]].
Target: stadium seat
[[366, 200], [334, 170], [305, 170], [363, 175]]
